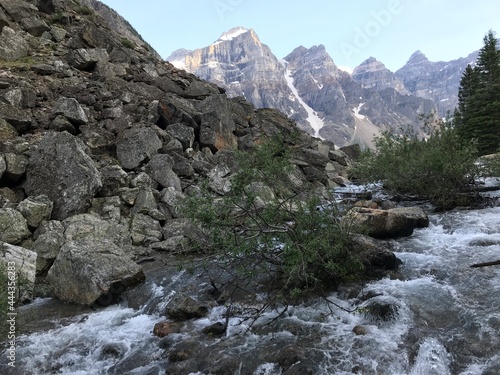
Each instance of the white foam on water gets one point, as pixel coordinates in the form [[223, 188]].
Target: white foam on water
[[78, 347]]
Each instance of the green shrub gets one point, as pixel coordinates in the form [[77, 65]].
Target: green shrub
[[437, 168], [127, 43], [85, 10], [263, 230]]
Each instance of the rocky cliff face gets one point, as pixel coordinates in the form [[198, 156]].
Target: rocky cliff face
[[306, 85], [100, 140], [437, 81], [372, 74], [244, 66], [351, 113]]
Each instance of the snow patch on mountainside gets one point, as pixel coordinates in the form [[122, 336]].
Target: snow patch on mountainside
[[312, 117], [356, 112], [231, 34]]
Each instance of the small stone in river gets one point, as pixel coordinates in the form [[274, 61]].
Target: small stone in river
[[360, 330], [216, 329], [163, 329]]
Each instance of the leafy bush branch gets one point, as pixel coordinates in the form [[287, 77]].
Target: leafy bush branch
[[437, 168], [268, 235]]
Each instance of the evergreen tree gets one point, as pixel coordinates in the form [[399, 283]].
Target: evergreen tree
[[467, 105], [478, 115]]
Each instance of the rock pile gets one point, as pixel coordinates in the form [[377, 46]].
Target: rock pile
[[99, 140]]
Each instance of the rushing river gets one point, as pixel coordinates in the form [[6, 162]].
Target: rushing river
[[446, 319]]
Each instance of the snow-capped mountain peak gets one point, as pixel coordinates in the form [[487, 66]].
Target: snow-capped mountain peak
[[231, 34]]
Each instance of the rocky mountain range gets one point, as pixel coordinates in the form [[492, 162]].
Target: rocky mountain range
[[324, 100]]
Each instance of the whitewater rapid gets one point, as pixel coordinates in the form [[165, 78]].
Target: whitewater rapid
[[446, 318]]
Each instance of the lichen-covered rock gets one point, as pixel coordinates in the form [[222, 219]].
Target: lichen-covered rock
[[145, 230], [113, 179], [13, 226], [7, 131], [21, 262], [60, 168], [145, 201], [392, 223], [160, 170], [217, 124], [15, 166], [86, 271], [18, 9], [219, 179], [183, 307], [36, 209], [182, 133], [86, 59], [71, 109], [377, 260], [13, 45], [136, 145], [107, 208], [87, 226], [35, 26], [171, 201], [20, 120], [48, 239]]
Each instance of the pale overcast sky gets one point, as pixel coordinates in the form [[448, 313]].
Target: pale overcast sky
[[351, 30]]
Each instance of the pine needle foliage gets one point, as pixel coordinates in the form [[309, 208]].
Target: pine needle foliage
[[478, 113], [266, 233], [438, 167]]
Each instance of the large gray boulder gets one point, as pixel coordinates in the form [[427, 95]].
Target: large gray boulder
[[377, 260], [35, 26], [19, 9], [48, 239], [86, 59], [217, 124], [90, 227], [22, 262], [7, 131], [145, 230], [392, 223], [89, 271], [71, 109], [36, 209], [60, 169], [183, 307], [160, 170], [113, 178], [13, 226], [13, 45], [16, 166], [136, 145], [183, 133]]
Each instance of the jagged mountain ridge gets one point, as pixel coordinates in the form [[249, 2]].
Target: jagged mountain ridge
[[372, 74], [437, 81], [306, 85], [244, 66]]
